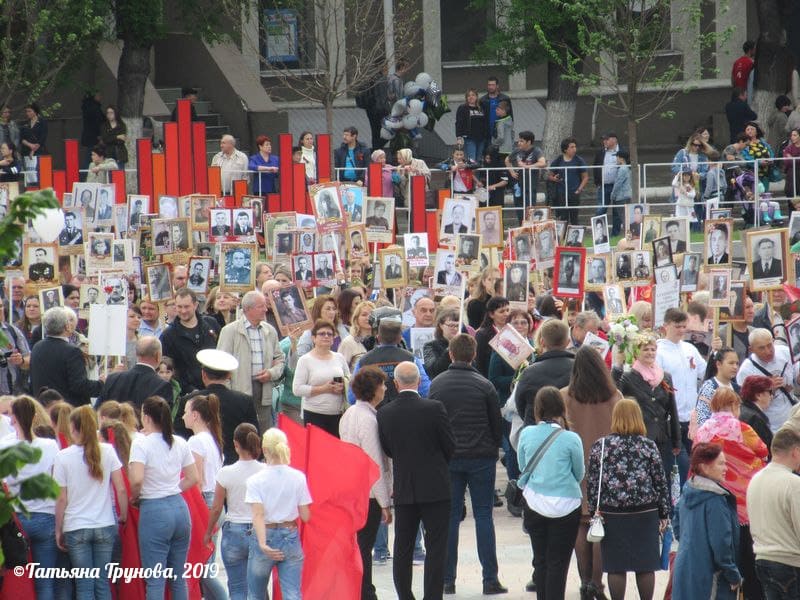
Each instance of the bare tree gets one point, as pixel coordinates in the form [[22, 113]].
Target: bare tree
[[340, 46]]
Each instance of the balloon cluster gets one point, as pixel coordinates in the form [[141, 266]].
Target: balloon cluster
[[421, 106]]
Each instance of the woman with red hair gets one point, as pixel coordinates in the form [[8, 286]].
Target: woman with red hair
[[746, 454], [266, 165], [756, 396]]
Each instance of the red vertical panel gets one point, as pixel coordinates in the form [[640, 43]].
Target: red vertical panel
[[239, 190], [172, 153], [144, 166], [285, 176], [185, 162], [432, 222], [417, 216], [375, 179], [159, 177], [60, 184], [299, 187], [199, 158], [45, 172], [214, 181], [273, 203], [72, 162], [118, 179], [324, 157]]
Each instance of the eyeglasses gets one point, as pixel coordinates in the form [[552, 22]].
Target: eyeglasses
[[324, 334], [697, 145], [451, 325]]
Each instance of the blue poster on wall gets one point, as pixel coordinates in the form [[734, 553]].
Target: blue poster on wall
[[280, 36]]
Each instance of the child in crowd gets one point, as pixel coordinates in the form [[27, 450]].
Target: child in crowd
[[494, 179], [464, 180], [503, 136], [683, 191], [744, 186], [716, 186]]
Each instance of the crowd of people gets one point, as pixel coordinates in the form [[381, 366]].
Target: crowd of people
[[684, 427]]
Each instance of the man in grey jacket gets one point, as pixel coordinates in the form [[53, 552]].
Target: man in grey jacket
[[254, 343]]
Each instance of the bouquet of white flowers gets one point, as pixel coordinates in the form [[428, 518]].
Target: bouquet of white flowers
[[622, 335]]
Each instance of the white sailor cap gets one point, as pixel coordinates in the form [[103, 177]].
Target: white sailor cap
[[217, 360]]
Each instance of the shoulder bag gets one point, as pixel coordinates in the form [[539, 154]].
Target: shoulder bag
[[513, 491], [596, 530]]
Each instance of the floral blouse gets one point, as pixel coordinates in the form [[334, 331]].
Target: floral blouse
[[633, 476]]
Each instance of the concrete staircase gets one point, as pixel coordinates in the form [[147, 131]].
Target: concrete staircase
[[215, 126]]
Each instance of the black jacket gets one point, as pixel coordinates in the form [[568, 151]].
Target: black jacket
[[362, 159], [752, 415], [483, 351], [474, 410], [386, 358], [551, 368], [135, 385], [182, 348], [416, 434], [658, 406], [93, 117], [234, 408], [738, 113], [57, 364], [436, 356], [466, 126]]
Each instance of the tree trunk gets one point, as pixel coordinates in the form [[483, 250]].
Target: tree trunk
[[328, 104], [772, 59], [562, 97], [633, 143], [132, 74]]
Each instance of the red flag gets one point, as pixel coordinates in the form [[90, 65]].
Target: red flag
[[340, 496], [792, 292]]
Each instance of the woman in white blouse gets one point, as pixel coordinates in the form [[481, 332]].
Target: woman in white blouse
[[40, 522], [278, 495], [157, 462], [319, 380], [238, 526], [359, 426], [201, 416], [86, 526]]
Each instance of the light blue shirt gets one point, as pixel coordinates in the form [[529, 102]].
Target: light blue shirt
[[561, 469]]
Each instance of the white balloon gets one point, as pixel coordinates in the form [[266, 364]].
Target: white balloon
[[410, 121], [423, 79], [49, 224], [422, 119], [387, 134], [415, 106], [395, 123], [410, 88], [399, 108]]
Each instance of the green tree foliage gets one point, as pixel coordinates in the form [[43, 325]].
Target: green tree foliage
[[42, 41]]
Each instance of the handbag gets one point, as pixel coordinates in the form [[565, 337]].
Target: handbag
[[513, 492], [596, 530], [15, 544]]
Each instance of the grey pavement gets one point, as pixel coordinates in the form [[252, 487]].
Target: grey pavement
[[513, 556]]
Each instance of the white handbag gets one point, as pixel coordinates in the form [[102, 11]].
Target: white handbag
[[596, 529]]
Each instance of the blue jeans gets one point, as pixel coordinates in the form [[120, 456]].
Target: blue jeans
[[211, 587], [41, 531], [778, 580], [473, 149], [90, 548], [235, 550], [478, 474], [164, 531], [290, 569]]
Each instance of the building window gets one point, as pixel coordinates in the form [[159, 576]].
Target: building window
[[463, 28]]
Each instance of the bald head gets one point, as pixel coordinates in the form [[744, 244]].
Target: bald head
[[148, 350], [269, 285], [406, 376]]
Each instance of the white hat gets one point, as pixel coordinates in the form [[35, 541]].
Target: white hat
[[217, 360]]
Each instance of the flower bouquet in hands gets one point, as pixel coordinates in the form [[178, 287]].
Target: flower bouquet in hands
[[622, 336]]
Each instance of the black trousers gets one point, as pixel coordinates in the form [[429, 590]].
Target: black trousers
[[366, 540], [553, 541], [435, 517], [329, 423]]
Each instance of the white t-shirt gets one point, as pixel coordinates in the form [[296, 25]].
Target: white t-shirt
[[203, 444], [280, 489], [234, 479], [89, 502], [49, 450], [162, 464]]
